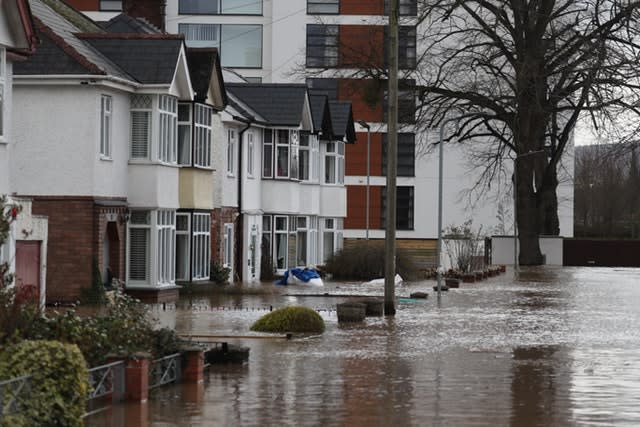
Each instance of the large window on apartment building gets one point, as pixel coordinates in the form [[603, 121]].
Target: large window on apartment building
[[404, 208], [201, 261], [322, 45], [406, 46], [405, 7], [406, 154], [168, 138], [140, 126], [406, 101], [240, 45], [166, 241], [334, 163], [220, 7], [324, 86], [323, 7], [139, 246], [106, 125]]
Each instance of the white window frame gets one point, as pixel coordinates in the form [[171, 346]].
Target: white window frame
[[202, 135], [201, 246], [166, 246], [267, 153], [334, 154], [227, 246], [302, 229], [282, 145], [140, 220], [141, 113], [185, 134], [183, 234], [106, 125], [278, 232], [250, 154], [168, 127], [231, 151]]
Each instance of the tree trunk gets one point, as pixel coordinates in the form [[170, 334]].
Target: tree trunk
[[548, 204], [528, 219]]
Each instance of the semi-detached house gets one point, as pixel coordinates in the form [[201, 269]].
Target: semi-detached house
[[114, 146], [287, 184]]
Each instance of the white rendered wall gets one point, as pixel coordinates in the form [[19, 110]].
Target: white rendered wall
[[252, 183], [154, 186], [502, 249], [333, 201], [281, 196], [229, 196], [7, 138], [58, 154]]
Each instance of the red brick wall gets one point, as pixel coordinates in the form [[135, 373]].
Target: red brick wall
[[77, 228], [221, 217], [85, 5], [366, 96], [152, 10], [356, 203], [361, 46], [361, 7], [356, 155]]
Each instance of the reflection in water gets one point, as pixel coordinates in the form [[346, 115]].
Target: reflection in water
[[557, 347]]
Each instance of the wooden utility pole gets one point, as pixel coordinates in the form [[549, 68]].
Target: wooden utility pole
[[392, 163]]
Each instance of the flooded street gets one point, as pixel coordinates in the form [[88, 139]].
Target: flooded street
[[557, 347]]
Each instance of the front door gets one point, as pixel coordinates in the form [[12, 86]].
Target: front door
[[28, 265]]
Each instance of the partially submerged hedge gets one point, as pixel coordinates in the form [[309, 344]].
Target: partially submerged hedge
[[290, 319], [59, 386]]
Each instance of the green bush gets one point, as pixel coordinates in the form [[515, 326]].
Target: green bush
[[366, 261], [59, 387], [290, 319], [219, 274], [96, 293]]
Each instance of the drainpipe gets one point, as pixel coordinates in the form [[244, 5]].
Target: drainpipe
[[239, 263]]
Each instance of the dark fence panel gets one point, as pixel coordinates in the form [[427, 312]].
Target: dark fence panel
[[601, 253]]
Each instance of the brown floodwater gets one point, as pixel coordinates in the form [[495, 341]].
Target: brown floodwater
[[554, 347]]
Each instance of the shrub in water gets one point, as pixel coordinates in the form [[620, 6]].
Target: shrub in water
[[290, 319], [59, 385]]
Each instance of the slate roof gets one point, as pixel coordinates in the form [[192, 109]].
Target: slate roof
[[342, 120], [72, 44], [148, 60], [202, 62], [278, 104], [78, 57], [321, 114], [127, 24]]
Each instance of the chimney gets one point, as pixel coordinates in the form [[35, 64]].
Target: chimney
[[151, 10]]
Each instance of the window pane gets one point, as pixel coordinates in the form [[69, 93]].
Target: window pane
[[241, 46], [200, 35], [138, 253], [242, 7], [196, 7], [282, 161], [330, 170], [111, 5], [323, 7]]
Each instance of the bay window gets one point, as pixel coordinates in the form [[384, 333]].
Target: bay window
[[200, 264], [140, 126], [282, 153], [168, 109], [184, 134], [202, 135], [281, 241], [227, 249], [334, 163], [166, 242], [267, 153], [139, 246]]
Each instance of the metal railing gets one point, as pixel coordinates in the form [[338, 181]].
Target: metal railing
[[11, 391], [107, 380], [165, 370]]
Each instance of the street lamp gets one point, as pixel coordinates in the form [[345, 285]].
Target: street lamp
[[368, 128]]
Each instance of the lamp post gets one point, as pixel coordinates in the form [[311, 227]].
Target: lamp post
[[368, 128]]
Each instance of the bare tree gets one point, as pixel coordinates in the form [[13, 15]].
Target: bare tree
[[521, 72]]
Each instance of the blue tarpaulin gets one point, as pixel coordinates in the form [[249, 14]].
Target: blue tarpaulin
[[304, 274]]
